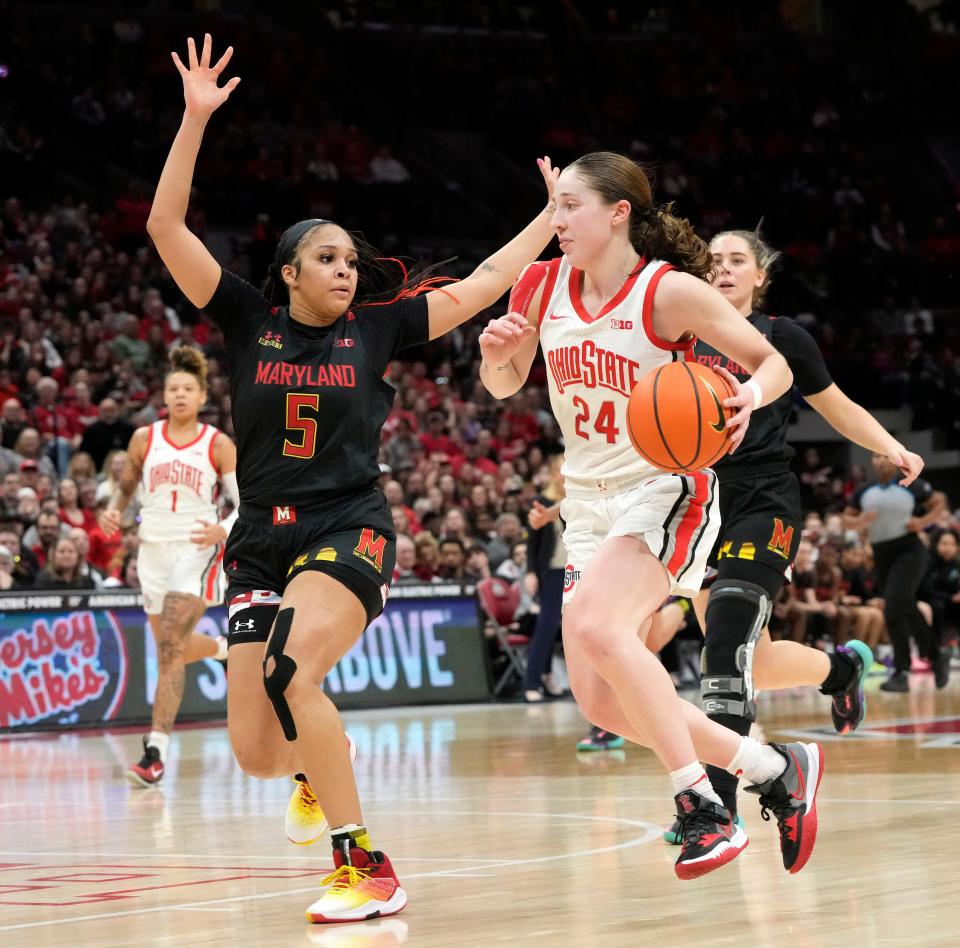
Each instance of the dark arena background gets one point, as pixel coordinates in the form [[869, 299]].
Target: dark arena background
[[831, 125]]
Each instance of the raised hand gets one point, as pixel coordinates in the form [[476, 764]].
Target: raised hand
[[550, 175], [503, 337], [202, 96]]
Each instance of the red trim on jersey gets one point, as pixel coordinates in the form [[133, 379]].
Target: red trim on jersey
[[553, 271], [682, 344], [618, 298], [149, 442], [182, 447], [691, 520], [213, 460], [210, 585]]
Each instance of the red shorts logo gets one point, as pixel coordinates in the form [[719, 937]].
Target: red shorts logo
[[282, 515]]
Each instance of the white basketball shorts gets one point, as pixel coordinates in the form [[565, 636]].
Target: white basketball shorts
[[676, 515], [177, 567]]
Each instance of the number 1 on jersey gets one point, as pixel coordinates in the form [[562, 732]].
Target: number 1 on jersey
[[295, 421], [605, 423]]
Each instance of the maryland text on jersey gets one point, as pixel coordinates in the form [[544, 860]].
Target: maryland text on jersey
[[317, 376]]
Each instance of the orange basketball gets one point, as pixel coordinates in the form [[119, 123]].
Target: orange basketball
[[676, 419]]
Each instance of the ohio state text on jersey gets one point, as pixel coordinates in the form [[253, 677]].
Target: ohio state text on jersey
[[593, 362], [178, 485]]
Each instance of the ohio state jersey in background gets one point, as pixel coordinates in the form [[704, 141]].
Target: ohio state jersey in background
[[178, 485]]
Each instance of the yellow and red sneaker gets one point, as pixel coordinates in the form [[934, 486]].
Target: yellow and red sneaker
[[305, 822], [365, 887]]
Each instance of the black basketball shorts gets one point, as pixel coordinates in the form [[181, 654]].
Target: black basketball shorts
[[351, 540], [760, 522]]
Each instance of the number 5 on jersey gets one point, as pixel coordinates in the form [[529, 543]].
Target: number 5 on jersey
[[300, 405]]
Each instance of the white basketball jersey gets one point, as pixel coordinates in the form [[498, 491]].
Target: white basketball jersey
[[178, 486], [593, 362]]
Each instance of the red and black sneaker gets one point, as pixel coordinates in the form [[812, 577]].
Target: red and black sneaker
[[148, 772], [792, 798], [709, 837], [361, 888]]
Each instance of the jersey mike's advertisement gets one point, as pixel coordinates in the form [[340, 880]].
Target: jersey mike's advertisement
[[71, 660]]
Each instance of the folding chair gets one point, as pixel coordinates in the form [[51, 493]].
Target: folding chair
[[499, 601]]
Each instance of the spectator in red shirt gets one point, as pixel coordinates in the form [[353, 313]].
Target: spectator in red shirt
[[103, 549], [71, 513], [523, 422], [85, 410], [57, 423], [435, 439]]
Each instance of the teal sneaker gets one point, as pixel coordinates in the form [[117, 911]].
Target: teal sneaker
[[600, 740], [848, 707]]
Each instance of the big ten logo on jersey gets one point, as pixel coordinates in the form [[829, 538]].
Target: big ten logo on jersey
[[325, 555], [344, 344], [588, 365], [621, 324], [370, 549], [781, 540]]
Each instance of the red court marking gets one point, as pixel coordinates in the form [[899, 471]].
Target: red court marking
[[923, 727], [93, 877], [116, 895]]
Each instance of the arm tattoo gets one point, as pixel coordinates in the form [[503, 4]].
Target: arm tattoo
[[488, 267]]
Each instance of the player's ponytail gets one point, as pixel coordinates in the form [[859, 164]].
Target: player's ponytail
[[191, 360], [380, 279], [655, 231], [764, 256]]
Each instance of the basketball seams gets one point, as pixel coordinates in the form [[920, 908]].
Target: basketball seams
[[656, 418], [696, 399]]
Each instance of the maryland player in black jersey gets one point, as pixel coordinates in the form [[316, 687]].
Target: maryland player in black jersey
[[761, 522], [310, 559]]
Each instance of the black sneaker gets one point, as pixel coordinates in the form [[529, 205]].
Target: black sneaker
[[149, 771], [898, 681], [792, 798], [941, 668], [709, 837], [849, 706]]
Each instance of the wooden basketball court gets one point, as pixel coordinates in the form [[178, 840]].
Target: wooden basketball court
[[500, 832]]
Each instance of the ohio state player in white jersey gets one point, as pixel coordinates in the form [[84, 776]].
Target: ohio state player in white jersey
[[605, 314], [177, 465]]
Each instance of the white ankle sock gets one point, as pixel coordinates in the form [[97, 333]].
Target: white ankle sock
[[161, 741], [755, 761], [693, 777]]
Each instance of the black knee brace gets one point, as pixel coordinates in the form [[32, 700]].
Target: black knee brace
[[737, 613], [276, 683]]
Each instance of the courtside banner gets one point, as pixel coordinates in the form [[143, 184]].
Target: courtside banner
[[78, 659]]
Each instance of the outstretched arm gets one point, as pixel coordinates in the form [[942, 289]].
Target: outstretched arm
[[191, 265], [859, 426], [127, 484], [458, 302]]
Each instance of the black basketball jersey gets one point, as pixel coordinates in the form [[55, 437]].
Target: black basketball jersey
[[764, 449], [308, 402]]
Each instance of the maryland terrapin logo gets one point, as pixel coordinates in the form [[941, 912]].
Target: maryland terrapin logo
[[273, 339], [370, 549]]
